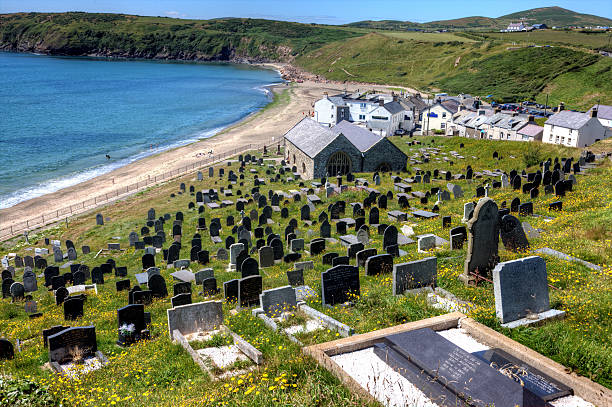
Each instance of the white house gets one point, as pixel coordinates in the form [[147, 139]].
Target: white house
[[439, 115], [381, 113], [573, 129], [516, 27], [604, 114], [387, 118], [331, 110]]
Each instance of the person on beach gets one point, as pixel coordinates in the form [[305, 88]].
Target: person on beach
[[107, 157]]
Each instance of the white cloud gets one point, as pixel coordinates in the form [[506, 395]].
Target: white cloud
[[175, 14]]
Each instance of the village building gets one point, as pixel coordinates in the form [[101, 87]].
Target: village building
[[530, 132], [504, 126], [317, 150], [467, 123], [604, 115], [439, 115], [573, 129], [515, 27], [381, 113]]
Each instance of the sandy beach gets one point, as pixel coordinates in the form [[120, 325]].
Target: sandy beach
[[259, 128]]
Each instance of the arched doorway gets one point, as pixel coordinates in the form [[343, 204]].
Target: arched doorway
[[339, 163], [383, 167]]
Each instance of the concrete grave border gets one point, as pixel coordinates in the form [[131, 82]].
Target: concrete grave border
[[583, 387]]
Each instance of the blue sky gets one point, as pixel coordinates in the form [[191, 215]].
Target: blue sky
[[319, 11]]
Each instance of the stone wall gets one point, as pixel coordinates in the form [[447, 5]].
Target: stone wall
[[295, 156], [384, 152], [340, 143]]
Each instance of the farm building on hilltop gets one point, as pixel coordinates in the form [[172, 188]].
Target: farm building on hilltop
[[317, 150]]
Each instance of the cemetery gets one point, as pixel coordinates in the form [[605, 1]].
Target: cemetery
[[475, 276]]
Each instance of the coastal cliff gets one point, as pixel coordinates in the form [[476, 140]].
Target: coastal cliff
[[126, 36]]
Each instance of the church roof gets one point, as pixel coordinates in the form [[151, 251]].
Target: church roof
[[312, 137], [358, 136]]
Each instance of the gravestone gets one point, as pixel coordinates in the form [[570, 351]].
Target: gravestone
[[65, 345], [99, 219], [521, 288], [339, 284], [30, 284], [249, 267], [157, 285], [483, 241], [278, 300], [390, 236], [73, 308], [249, 289], [295, 277], [414, 274], [512, 234], [230, 290], [379, 264]]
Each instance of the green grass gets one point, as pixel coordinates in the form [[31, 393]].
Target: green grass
[[583, 39], [521, 73], [424, 36], [160, 373], [582, 88]]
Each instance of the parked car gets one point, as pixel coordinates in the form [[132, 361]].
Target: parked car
[[400, 132]]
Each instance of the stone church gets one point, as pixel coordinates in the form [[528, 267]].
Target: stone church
[[318, 151]]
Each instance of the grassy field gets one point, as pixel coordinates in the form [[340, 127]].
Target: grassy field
[[158, 372], [583, 39], [423, 36], [582, 88]]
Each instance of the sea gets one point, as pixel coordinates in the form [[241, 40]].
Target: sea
[[61, 116]]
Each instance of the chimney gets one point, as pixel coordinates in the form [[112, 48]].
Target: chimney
[[395, 98], [381, 102], [594, 112], [461, 107], [497, 110], [481, 112], [561, 107], [325, 93]]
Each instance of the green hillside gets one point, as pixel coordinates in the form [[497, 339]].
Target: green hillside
[[479, 68], [551, 16], [160, 37]]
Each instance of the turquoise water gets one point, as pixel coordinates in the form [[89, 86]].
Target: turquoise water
[[60, 117]]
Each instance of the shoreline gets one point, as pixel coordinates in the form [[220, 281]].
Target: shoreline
[[261, 126]]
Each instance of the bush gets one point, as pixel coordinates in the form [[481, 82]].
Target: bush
[[23, 392], [533, 155]]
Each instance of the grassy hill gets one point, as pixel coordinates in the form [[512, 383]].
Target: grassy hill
[[157, 372], [479, 68], [160, 37], [552, 16]]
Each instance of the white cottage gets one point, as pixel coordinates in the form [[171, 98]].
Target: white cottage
[[439, 115], [573, 129]]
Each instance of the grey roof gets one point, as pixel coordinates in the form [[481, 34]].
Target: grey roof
[[310, 136], [451, 105], [506, 121], [569, 119], [603, 111], [358, 136], [337, 100], [393, 107], [531, 130]]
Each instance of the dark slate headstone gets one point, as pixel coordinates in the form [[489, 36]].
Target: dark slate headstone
[[379, 264], [512, 234], [73, 308], [230, 290], [390, 236], [442, 370], [317, 246], [249, 289], [181, 288], [483, 240], [329, 257], [122, 285], [180, 299], [521, 288], [295, 277], [339, 284], [157, 285], [414, 274], [62, 345], [7, 351]]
